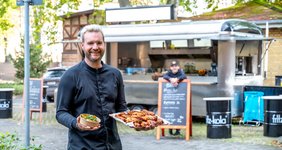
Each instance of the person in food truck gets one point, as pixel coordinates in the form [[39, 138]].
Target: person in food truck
[[175, 75], [93, 88]]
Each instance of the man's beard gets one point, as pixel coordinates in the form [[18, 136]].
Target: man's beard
[[92, 59]]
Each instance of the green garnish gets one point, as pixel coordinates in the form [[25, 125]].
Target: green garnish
[[91, 117]]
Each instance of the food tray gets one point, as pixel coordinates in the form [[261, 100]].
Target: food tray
[[130, 124]]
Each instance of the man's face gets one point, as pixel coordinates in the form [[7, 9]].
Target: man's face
[[93, 46], [174, 68]]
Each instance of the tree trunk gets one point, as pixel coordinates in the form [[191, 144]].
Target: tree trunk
[[124, 3], [171, 2]]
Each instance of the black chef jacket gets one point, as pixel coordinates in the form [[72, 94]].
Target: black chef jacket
[[83, 89]]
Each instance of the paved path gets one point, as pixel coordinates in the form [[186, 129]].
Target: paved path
[[54, 137]]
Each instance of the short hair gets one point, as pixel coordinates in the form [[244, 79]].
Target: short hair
[[90, 28]]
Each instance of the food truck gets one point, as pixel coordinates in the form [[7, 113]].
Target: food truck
[[218, 56]]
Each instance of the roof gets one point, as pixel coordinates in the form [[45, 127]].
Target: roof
[[251, 11], [210, 29], [77, 13], [270, 23]]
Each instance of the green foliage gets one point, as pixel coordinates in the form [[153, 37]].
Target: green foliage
[[5, 6], [213, 4], [100, 2], [48, 12], [187, 4], [48, 15], [17, 86], [276, 5], [8, 141], [38, 62], [98, 17], [43, 15], [12, 142]]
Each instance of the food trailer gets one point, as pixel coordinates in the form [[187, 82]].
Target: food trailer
[[229, 52]]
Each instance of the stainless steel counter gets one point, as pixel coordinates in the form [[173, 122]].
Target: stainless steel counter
[[195, 80], [141, 89]]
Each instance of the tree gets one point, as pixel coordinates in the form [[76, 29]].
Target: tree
[[5, 23], [213, 4], [46, 17], [38, 62], [42, 15]]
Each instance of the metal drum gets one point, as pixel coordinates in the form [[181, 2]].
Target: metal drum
[[272, 126], [6, 103], [218, 117]]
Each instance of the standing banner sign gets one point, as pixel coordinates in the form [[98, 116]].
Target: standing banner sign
[[35, 97], [174, 105]]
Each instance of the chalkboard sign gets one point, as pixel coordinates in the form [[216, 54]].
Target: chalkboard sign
[[35, 98], [174, 101], [35, 94], [174, 105]]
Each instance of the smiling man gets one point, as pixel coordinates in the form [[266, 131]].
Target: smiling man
[[95, 88]]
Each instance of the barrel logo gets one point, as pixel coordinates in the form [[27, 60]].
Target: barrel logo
[[276, 118], [4, 105], [217, 119]]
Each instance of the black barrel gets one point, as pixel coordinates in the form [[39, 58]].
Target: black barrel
[[218, 117], [44, 101], [272, 126], [6, 103], [44, 106]]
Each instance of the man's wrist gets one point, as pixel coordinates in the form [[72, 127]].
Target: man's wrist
[[75, 124]]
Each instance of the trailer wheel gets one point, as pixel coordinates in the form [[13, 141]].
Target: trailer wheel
[[154, 109], [136, 107]]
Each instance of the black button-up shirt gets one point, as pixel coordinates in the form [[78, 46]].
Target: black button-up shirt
[[83, 89]]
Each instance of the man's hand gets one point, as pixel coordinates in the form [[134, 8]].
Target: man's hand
[[83, 127], [174, 82]]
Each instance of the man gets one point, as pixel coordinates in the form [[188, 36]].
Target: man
[[95, 88], [174, 76]]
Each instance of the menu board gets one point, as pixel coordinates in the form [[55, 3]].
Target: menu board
[[35, 93], [174, 102], [174, 105]]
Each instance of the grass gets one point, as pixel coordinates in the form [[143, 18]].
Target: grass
[[19, 87], [240, 133], [249, 134]]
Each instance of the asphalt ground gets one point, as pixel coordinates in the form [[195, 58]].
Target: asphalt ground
[[53, 136]]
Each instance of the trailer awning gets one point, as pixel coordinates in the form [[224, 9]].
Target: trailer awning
[[240, 37], [231, 29], [135, 38]]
